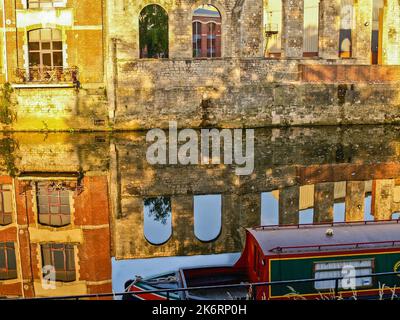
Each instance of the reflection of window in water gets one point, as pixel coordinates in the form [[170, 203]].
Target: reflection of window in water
[[53, 205], [368, 202], [339, 207], [367, 208], [61, 256], [207, 217], [270, 208], [306, 216], [8, 263], [157, 219], [339, 211], [5, 205], [346, 27], [306, 204]]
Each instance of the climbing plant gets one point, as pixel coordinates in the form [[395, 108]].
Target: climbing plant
[[7, 115], [8, 148]]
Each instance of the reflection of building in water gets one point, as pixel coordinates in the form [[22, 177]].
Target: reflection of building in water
[[310, 179], [57, 218], [55, 208]]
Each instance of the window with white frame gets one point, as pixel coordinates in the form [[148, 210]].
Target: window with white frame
[[334, 269]]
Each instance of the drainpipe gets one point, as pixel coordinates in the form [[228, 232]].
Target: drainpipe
[[5, 40]]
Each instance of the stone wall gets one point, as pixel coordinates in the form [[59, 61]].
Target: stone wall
[[252, 93]]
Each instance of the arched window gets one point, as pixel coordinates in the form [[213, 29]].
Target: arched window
[[53, 205], [45, 48], [153, 32], [157, 220], [5, 205], [207, 29], [207, 217]]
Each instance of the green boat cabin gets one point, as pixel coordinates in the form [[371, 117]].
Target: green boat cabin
[[303, 252]]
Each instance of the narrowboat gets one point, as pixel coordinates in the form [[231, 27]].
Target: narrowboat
[[294, 255]]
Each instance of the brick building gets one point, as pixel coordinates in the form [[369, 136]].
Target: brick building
[[206, 32], [54, 221], [54, 210]]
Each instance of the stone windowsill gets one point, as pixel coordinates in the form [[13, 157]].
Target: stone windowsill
[[30, 85]]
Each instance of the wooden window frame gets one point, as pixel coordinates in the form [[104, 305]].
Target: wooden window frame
[[7, 273], [3, 214], [66, 274], [42, 51], [51, 205]]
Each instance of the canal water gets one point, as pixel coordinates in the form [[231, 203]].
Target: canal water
[[93, 206]]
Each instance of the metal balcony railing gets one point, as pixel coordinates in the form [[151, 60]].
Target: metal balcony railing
[[45, 74]]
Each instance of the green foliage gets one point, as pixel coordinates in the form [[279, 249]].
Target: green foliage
[[159, 208], [153, 30], [7, 115], [8, 148]]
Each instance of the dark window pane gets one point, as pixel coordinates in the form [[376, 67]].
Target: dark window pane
[[59, 260], [2, 258], [8, 263], [34, 46], [57, 45], [57, 59], [46, 59], [34, 58], [45, 45]]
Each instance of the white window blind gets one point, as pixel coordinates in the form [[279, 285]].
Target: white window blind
[[333, 269]]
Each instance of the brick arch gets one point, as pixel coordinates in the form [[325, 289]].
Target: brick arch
[[224, 20]]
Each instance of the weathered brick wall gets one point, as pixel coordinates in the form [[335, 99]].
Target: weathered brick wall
[[58, 109]]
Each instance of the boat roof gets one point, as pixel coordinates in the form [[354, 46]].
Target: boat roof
[[312, 238]]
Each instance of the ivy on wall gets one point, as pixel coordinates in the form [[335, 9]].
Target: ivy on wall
[[7, 115]]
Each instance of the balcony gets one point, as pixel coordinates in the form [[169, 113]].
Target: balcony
[[47, 75]]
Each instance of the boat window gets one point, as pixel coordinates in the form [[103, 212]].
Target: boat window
[[338, 269], [157, 220], [207, 217]]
